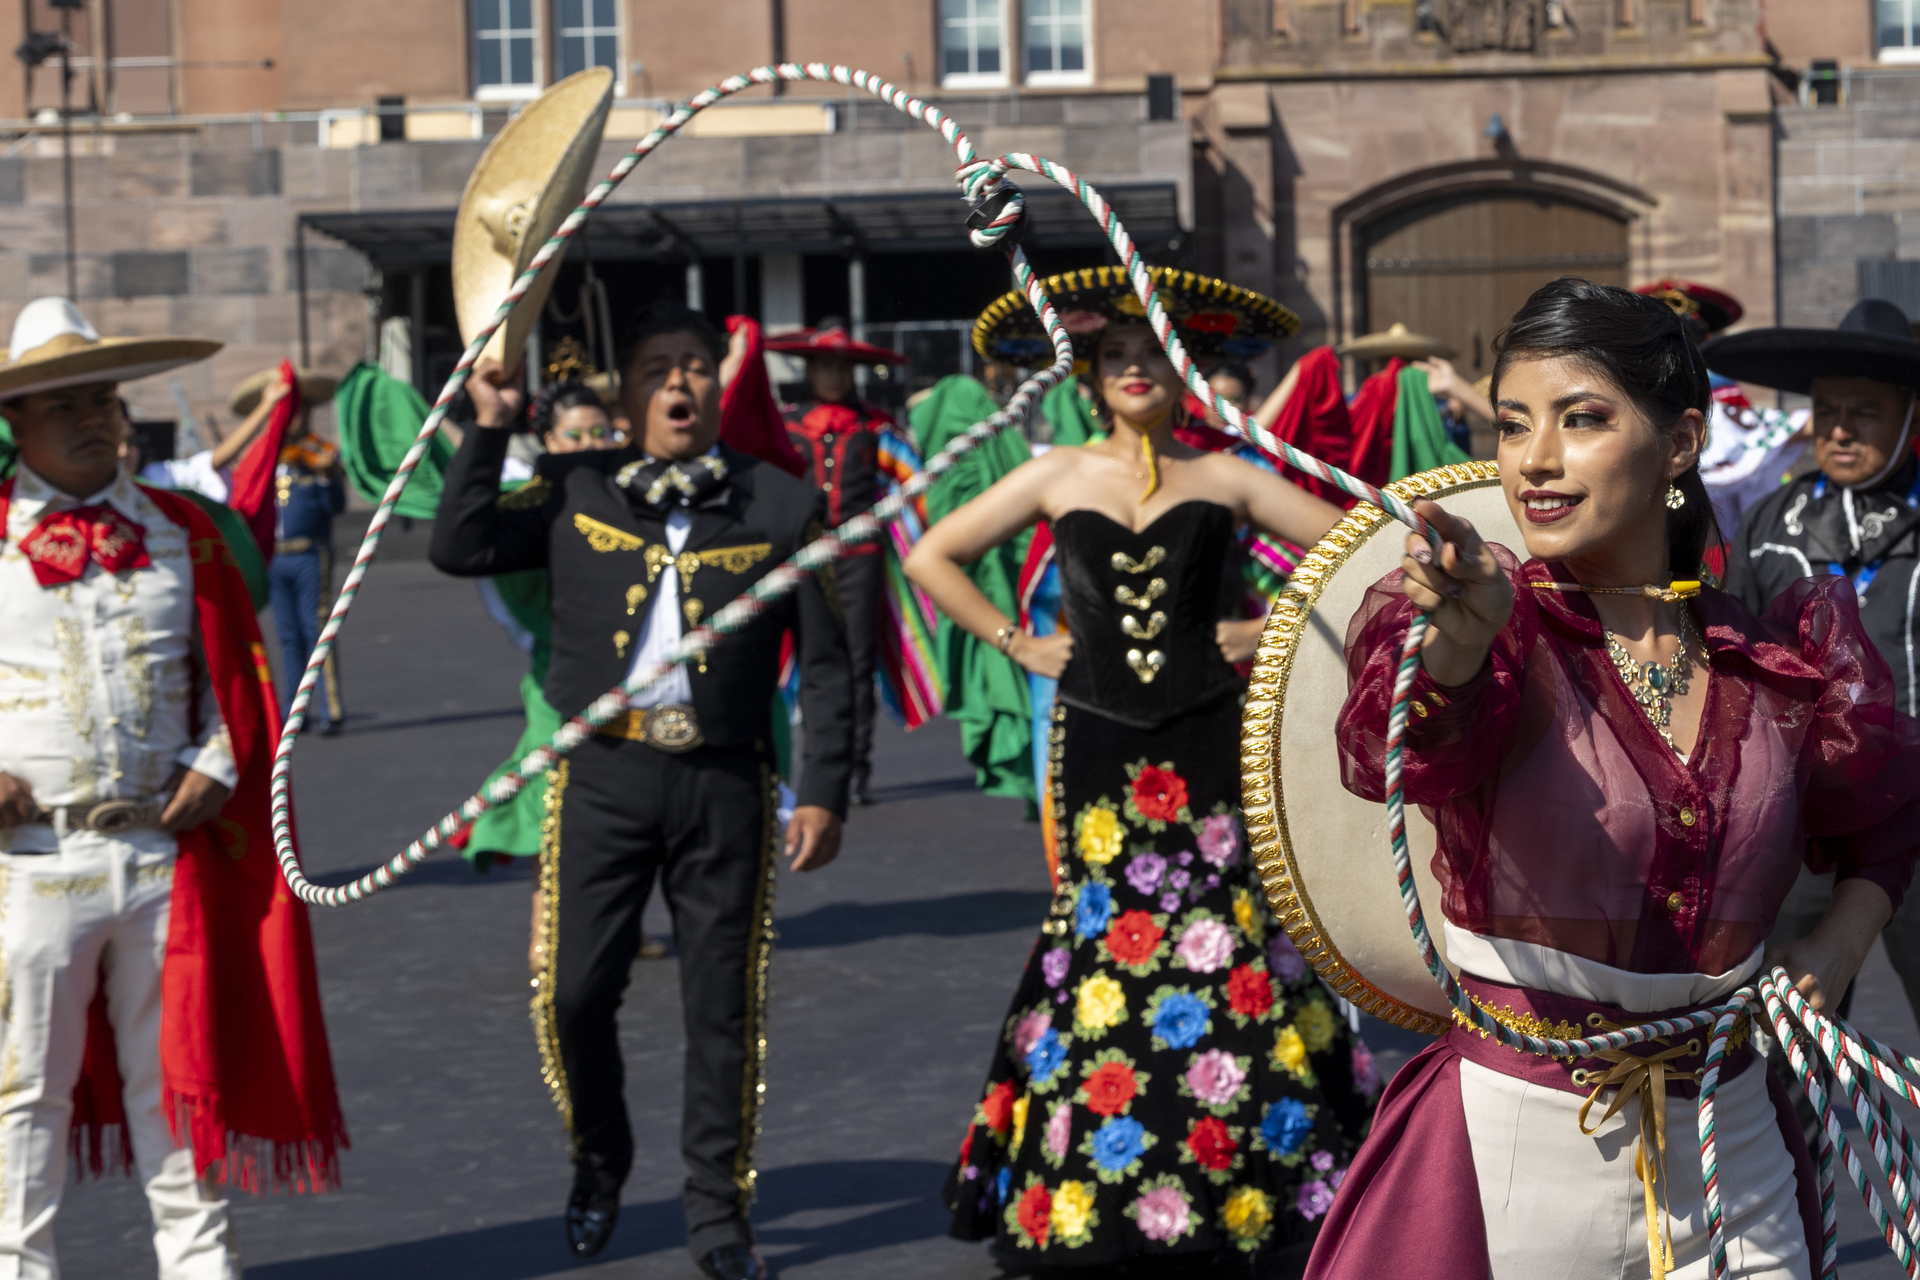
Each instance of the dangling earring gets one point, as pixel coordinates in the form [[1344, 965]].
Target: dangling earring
[[1675, 498]]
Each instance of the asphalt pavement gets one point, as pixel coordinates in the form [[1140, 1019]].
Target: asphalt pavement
[[890, 981]]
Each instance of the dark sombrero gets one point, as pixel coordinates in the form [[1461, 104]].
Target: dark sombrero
[[1216, 320], [1874, 341], [1713, 308]]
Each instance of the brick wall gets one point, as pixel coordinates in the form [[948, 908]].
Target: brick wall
[[1849, 190]]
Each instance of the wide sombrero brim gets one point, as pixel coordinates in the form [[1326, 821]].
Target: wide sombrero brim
[[530, 177], [1323, 852], [809, 343], [315, 389], [107, 360], [1790, 359], [1216, 320], [1396, 343]]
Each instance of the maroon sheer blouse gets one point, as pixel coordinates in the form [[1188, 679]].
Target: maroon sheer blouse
[[1566, 820]]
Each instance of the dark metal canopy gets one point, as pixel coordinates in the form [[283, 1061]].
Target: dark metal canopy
[[900, 222]]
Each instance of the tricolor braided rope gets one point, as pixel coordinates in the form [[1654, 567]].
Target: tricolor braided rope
[[981, 179]]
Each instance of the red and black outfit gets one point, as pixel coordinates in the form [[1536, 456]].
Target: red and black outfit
[[840, 444]]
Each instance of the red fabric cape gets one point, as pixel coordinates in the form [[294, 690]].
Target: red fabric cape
[[1314, 420], [750, 418], [1372, 415], [246, 1074], [252, 491]]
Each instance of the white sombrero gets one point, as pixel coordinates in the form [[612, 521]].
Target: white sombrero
[[1322, 850], [54, 346]]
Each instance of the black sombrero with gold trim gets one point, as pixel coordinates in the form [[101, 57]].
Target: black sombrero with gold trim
[[1216, 320]]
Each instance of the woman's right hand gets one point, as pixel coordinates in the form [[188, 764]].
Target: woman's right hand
[[1042, 655], [1464, 589]]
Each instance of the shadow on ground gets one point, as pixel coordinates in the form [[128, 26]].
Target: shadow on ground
[[871, 1190], [960, 915]]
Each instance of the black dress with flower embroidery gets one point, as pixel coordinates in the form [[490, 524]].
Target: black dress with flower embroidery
[[1171, 1078]]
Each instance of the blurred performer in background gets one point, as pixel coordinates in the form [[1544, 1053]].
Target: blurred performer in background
[[1854, 517], [158, 1002], [308, 492], [838, 435]]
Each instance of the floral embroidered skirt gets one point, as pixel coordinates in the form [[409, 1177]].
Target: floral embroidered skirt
[[1171, 1077]]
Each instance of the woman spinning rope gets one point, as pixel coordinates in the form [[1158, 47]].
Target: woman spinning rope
[[1628, 769], [1171, 1084]]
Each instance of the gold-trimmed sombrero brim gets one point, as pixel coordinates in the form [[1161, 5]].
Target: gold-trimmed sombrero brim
[[1322, 851], [1216, 320], [315, 389], [530, 177], [106, 360], [1397, 342]]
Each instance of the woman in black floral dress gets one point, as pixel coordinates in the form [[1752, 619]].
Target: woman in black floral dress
[[1171, 1081]]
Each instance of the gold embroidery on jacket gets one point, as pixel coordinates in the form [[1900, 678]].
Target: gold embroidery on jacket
[[531, 494], [76, 675], [636, 596], [70, 886], [658, 558], [133, 631], [604, 537], [737, 560], [753, 1084]]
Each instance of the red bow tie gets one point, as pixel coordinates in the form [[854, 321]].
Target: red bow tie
[[59, 546]]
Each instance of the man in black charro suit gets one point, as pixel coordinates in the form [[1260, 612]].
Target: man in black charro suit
[[640, 543]]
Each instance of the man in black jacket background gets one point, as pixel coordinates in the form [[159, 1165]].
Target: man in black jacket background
[[642, 543]]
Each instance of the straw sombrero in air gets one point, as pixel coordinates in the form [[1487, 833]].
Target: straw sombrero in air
[[1396, 342], [55, 346], [315, 389], [1216, 320]]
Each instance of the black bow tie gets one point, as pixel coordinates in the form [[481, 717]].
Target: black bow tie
[[658, 485]]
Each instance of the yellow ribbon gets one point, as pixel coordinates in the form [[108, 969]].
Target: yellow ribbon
[[1153, 468], [1645, 1079]]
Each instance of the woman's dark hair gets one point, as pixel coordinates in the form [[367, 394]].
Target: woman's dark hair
[[1642, 347], [669, 316], [557, 397]]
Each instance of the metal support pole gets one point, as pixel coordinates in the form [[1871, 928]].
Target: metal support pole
[[857, 310], [695, 286], [739, 267], [66, 146]]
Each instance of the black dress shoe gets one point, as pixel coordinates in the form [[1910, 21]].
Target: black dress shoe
[[591, 1216], [862, 788], [331, 729], [734, 1262]]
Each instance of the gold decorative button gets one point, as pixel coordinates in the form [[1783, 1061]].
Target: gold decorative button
[[828, 486], [1686, 817], [1420, 709], [1675, 901]]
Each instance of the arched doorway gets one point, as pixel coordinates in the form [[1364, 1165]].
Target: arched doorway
[[1458, 265]]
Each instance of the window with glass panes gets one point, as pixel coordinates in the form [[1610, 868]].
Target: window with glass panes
[[1056, 38], [504, 36], [972, 36], [1899, 25], [587, 34]]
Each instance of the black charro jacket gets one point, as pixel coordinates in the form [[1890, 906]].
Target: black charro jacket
[[604, 557]]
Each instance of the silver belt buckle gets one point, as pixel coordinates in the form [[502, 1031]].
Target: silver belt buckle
[[673, 728], [111, 817]]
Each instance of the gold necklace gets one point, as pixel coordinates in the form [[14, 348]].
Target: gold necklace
[[1654, 685]]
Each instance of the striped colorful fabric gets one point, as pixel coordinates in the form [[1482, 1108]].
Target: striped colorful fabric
[[908, 668]]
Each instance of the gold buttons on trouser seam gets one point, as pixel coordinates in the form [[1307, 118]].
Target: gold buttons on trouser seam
[[828, 486], [1686, 817], [1675, 901]]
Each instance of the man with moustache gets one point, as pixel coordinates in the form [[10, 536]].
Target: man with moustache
[[642, 542], [1857, 514]]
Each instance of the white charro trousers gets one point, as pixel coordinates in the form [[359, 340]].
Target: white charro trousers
[[92, 913]]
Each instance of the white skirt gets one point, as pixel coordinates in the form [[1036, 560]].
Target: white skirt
[[1560, 1205]]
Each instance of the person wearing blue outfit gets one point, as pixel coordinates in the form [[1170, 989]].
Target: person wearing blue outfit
[[309, 490]]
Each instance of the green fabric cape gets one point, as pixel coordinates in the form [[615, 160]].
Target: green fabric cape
[[1071, 414], [1420, 440], [986, 691], [377, 417]]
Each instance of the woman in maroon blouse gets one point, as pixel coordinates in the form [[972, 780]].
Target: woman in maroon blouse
[[1625, 785]]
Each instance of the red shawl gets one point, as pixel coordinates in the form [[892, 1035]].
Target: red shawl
[[252, 490], [1314, 420], [750, 418], [247, 1077], [1372, 414]]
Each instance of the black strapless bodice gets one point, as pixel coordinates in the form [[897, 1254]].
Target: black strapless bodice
[[1142, 608]]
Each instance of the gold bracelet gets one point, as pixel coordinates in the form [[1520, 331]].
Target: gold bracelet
[[1003, 638]]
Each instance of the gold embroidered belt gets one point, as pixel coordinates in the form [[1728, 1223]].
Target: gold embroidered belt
[[292, 546], [108, 817], [671, 727]]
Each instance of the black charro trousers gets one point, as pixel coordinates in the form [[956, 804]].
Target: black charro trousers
[[620, 814]]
